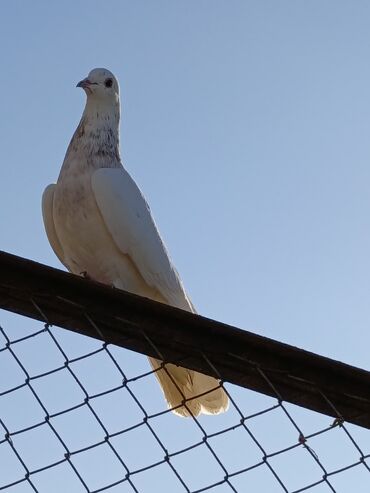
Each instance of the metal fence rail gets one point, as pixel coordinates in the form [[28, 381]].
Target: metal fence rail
[[286, 374]]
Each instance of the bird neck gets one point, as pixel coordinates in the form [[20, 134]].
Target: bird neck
[[98, 130], [100, 112]]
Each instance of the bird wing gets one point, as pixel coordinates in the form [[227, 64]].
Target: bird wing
[[47, 214], [128, 219]]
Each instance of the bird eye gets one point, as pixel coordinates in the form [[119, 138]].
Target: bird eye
[[108, 82]]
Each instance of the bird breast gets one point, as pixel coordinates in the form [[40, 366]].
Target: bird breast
[[80, 227], [87, 244]]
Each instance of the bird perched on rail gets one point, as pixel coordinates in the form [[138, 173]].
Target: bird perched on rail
[[98, 223]]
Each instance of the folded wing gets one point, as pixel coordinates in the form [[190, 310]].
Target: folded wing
[[127, 216], [47, 214]]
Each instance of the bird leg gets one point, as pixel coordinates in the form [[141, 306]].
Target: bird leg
[[85, 275]]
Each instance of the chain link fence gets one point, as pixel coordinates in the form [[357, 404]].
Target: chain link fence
[[79, 413]]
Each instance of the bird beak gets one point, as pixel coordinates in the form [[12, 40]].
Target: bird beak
[[84, 83]]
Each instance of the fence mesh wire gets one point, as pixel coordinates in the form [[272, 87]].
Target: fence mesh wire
[[79, 415]]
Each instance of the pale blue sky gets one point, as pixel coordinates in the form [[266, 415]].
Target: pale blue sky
[[245, 123]]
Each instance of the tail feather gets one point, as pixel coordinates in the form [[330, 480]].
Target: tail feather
[[180, 384], [215, 402]]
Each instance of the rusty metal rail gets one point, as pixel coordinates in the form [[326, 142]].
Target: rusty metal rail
[[231, 354]]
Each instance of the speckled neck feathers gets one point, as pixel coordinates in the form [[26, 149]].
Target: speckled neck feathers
[[96, 139]]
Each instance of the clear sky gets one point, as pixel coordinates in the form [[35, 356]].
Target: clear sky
[[245, 123]]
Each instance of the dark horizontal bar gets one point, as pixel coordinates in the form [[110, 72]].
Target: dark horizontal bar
[[235, 355]]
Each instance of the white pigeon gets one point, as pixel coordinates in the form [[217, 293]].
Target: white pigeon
[[99, 225]]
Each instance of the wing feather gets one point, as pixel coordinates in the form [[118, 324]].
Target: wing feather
[[128, 219], [47, 214]]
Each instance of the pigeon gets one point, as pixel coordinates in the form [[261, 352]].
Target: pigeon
[[99, 225]]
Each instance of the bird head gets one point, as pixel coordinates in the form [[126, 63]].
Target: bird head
[[100, 84]]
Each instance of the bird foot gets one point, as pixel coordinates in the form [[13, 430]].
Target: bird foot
[[85, 275]]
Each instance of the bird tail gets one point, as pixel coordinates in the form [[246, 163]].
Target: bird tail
[[199, 393]]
